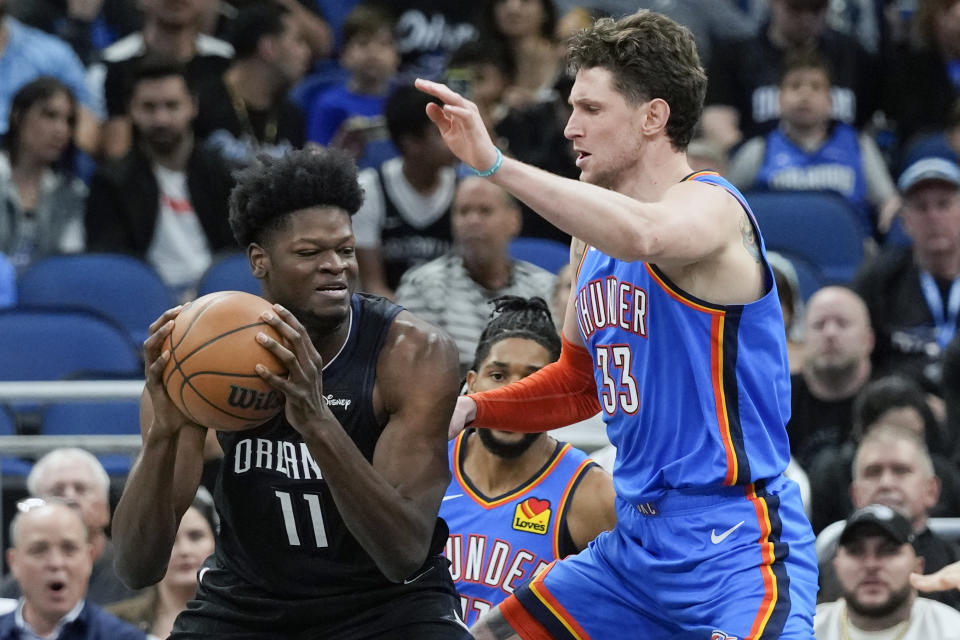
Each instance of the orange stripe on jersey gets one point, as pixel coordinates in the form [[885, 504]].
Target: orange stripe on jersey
[[490, 504], [705, 172], [586, 249], [770, 594], [720, 398], [679, 295], [520, 620], [564, 500], [538, 589]]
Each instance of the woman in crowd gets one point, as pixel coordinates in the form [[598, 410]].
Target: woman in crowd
[[41, 201], [158, 606], [526, 28]]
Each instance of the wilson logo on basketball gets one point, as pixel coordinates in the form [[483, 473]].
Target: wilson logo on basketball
[[252, 399], [532, 515]]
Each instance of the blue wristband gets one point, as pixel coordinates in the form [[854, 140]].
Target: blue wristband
[[492, 170]]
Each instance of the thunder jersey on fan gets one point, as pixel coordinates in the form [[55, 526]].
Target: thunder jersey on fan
[[280, 528], [656, 350], [498, 543]]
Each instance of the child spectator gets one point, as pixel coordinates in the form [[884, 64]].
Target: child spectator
[[370, 56], [811, 151]]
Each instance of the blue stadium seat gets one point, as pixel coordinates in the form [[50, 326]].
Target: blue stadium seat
[[818, 227], [229, 272], [119, 286], [9, 465], [543, 252], [40, 343], [121, 417]]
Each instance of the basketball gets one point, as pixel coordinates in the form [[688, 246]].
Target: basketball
[[213, 351]]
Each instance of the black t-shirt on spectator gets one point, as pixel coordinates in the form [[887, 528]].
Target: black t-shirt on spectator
[[230, 129], [814, 423]]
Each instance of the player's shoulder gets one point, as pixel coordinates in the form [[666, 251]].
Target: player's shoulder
[[415, 341]]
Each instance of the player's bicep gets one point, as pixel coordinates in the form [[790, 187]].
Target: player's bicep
[[592, 508], [418, 383], [698, 221]]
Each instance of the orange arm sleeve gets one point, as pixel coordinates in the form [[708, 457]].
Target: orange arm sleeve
[[562, 393]]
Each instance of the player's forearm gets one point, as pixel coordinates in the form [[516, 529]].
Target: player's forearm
[[393, 529], [148, 514], [619, 226], [559, 394]]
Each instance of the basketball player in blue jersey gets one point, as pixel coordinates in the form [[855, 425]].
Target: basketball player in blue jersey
[[517, 501], [673, 330], [328, 511]]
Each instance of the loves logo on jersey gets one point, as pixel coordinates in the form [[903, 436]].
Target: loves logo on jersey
[[532, 515]]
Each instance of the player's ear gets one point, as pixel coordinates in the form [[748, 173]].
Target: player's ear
[[471, 378], [658, 113], [259, 260]]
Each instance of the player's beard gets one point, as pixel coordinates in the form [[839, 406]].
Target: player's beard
[[508, 450], [883, 609]]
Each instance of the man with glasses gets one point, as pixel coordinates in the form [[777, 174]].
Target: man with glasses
[[51, 558]]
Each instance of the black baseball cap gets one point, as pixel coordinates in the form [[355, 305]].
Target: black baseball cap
[[874, 517]]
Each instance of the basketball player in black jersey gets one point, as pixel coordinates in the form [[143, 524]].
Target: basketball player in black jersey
[[329, 510]]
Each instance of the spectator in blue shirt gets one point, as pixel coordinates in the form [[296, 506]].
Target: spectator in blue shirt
[[26, 54], [370, 56]]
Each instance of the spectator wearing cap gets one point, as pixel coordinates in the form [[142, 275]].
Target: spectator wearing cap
[[913, 293], [155, 610], [874, 561], [893, 467]]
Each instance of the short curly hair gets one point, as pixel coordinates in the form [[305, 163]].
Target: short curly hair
[[650, 56], [273, 188]]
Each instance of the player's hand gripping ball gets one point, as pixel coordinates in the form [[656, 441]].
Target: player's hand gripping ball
[[213, 352]]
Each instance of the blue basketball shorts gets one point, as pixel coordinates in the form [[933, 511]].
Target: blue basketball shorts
[[730, 563]]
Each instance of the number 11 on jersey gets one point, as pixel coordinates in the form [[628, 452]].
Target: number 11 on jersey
[[290, 522]]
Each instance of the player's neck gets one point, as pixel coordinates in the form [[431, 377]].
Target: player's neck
[[495, 475], [659, 167]]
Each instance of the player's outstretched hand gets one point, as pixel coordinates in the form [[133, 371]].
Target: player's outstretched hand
[[947, 578], [302, 385], [167, 418], [460, 125], [463, 415]]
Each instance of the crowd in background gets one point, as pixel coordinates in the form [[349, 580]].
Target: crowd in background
[[122, 122]]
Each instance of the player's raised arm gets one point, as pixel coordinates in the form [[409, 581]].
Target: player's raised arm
[[688, 223], [165, 477]]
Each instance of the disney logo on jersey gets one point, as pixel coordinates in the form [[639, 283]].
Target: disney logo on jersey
[[612, 303], [532, 515], [331, 401], [720, 635]]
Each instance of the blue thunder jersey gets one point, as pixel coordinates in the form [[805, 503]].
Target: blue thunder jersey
[[837, 165], [280, 528], [497, 544], [694, 394]]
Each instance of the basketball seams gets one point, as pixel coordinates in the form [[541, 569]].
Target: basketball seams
[[193, 321], [202, 395]]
